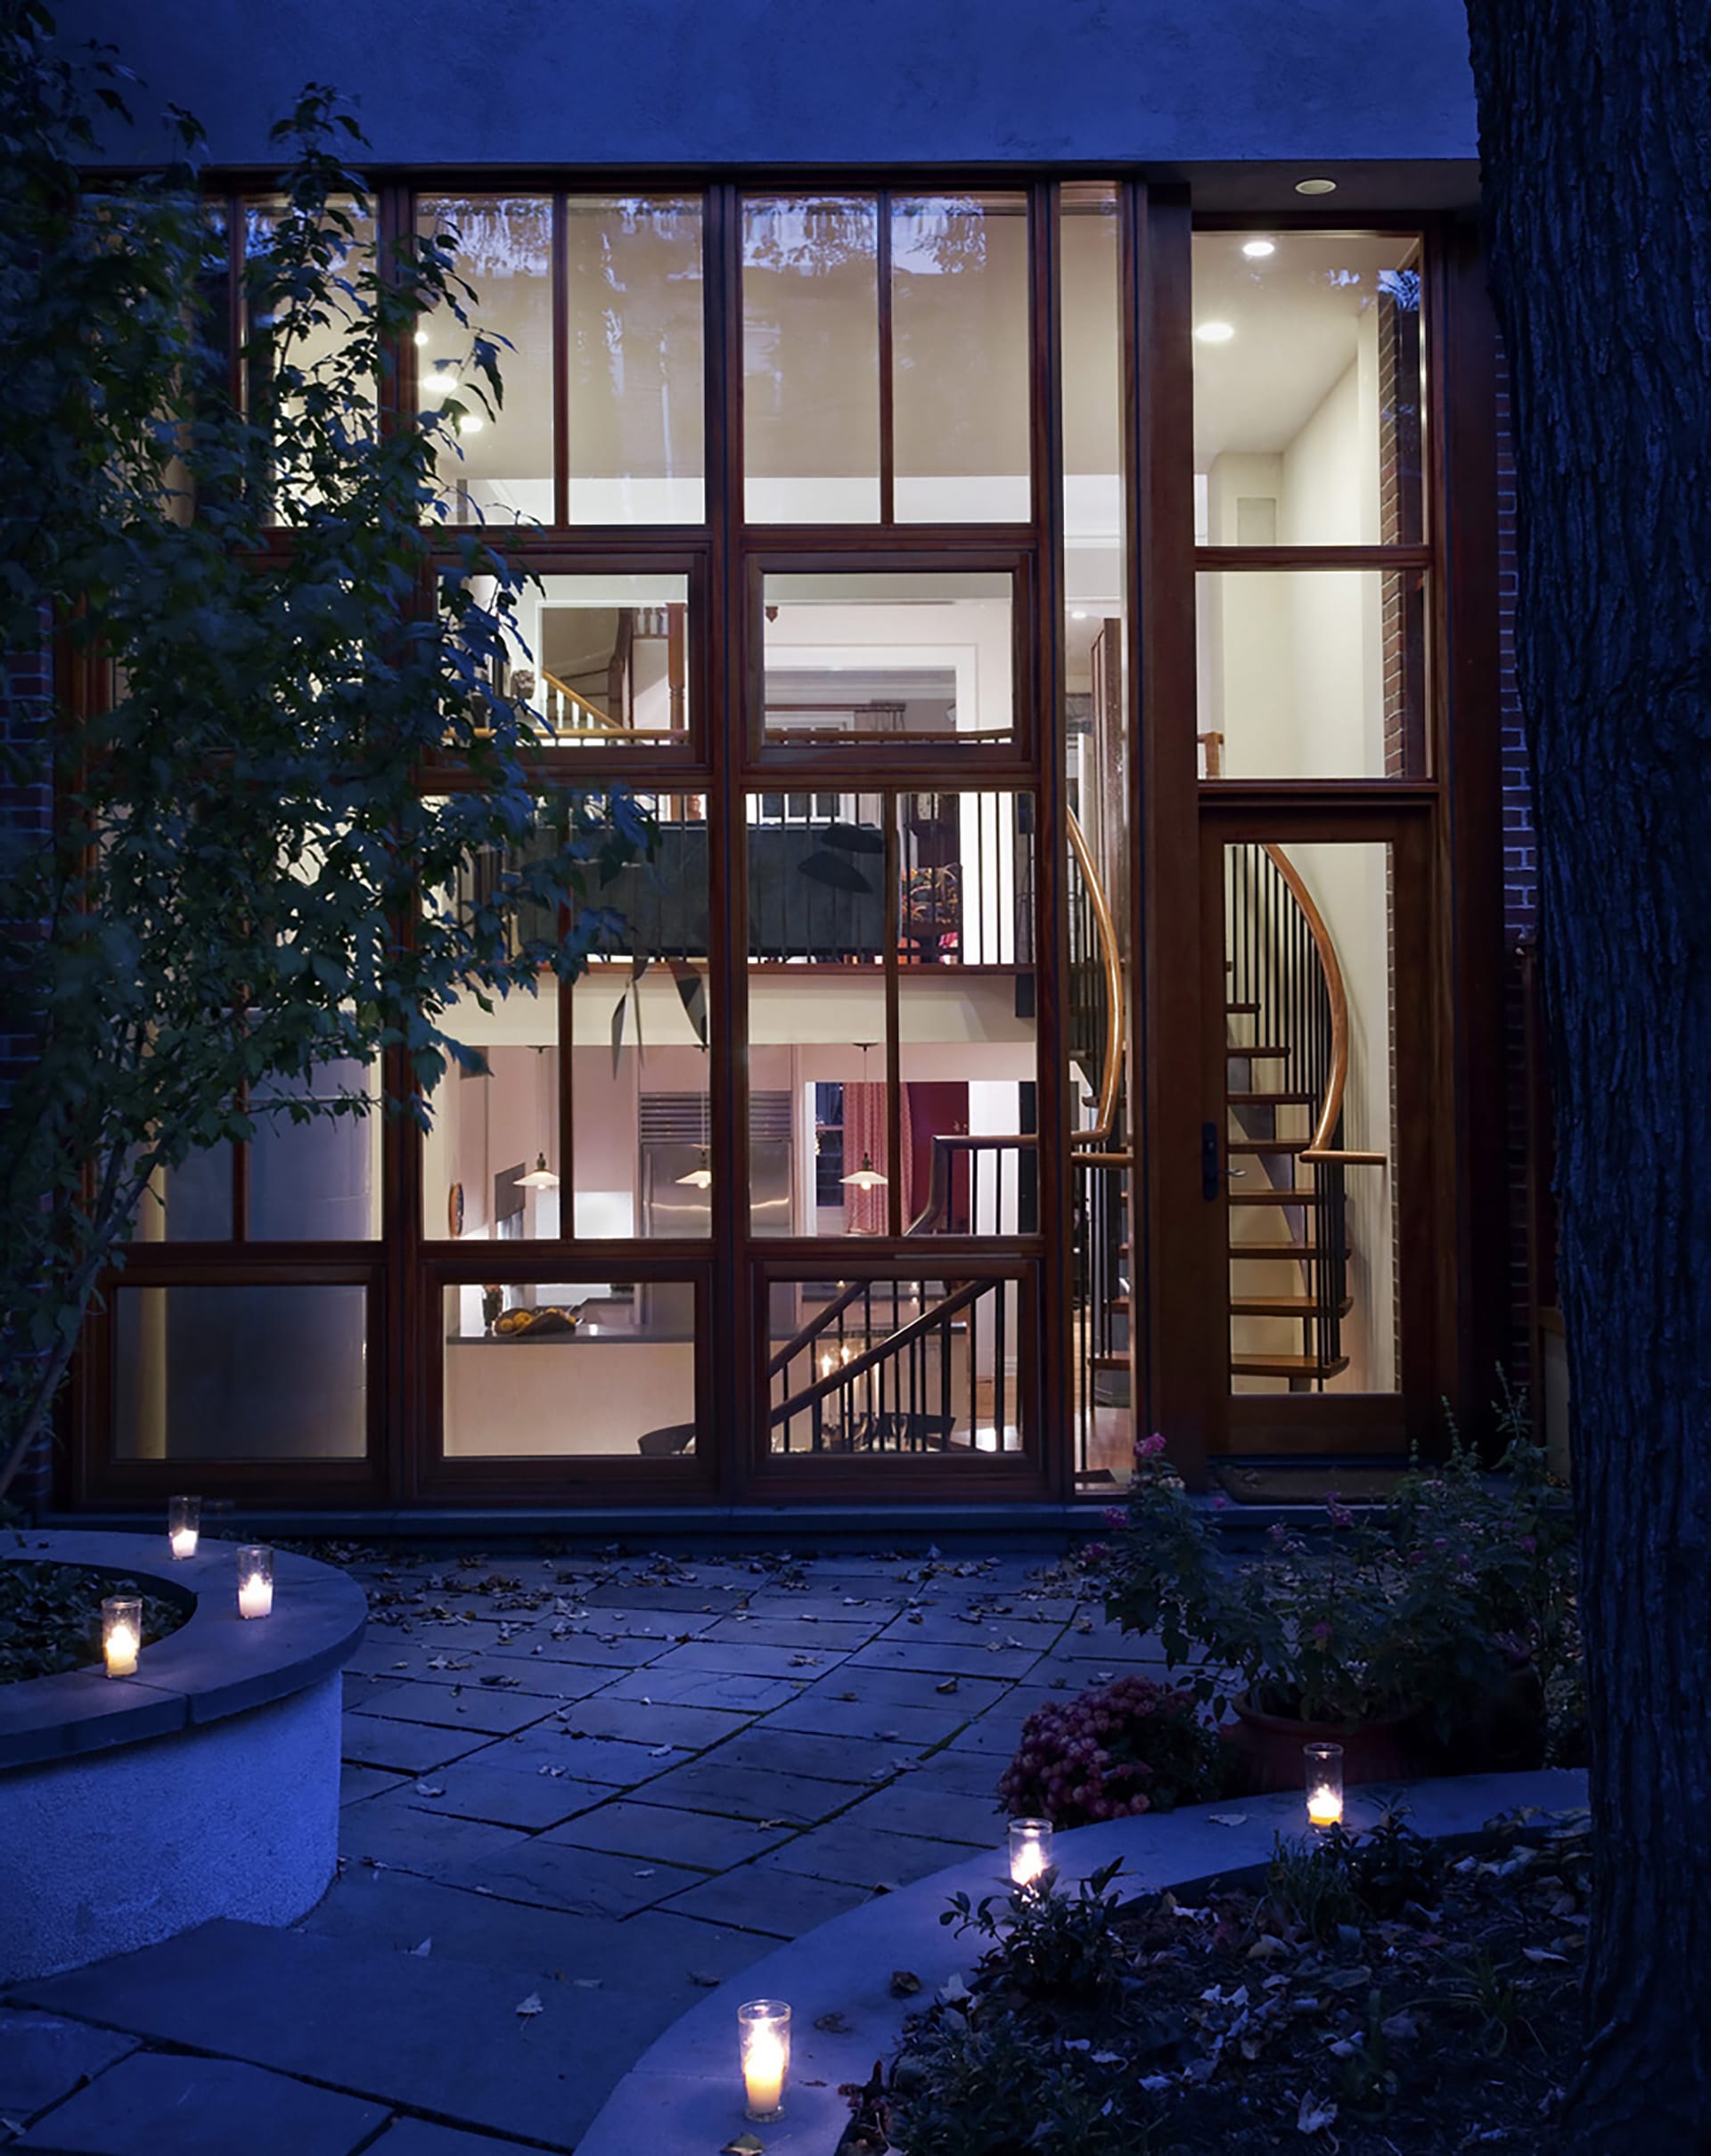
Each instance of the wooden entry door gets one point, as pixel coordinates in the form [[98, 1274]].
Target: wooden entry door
[[1321, 1073]]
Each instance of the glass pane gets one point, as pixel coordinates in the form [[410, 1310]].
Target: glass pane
[[636, 421], [308, 346], [1311, 673], [960, 358], [189, 1203], [571, 1369], [901, 1365], [1307, 359], [1313, 1265], [491, 1167], [811, 359], [504, 250], [249, 1373], [908, 655], [318, 1181], [602, 661]]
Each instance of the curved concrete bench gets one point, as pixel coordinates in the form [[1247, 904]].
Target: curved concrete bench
[[685, 2095], [205, 1785]]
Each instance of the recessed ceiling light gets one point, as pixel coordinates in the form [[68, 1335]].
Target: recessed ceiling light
[[1214, 333], [440, 384], [1257, 250], [422, 337], [1315, 187], [471, 423], [1077, 613]]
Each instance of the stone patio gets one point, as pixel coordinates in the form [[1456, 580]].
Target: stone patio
[[580, 1792]]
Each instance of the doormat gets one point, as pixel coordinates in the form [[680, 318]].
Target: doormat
[[1279, 1485]]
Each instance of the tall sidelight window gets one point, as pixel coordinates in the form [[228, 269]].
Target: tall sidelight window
[[1308, 403]]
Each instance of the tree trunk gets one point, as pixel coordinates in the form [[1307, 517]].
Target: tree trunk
[[1595, 126]]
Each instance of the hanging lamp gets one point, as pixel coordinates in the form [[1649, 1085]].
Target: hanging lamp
[[867, 1176]]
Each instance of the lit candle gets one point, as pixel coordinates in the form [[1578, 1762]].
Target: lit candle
[[121, 1633], [255, 1581], [1030, 1849], [1324, 1780], [763, 2038], [184, 1525]]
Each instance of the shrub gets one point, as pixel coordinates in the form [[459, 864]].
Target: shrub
[[1050, 1946], [1124, 1748]]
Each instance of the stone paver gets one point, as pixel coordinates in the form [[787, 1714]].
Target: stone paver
[[43, 2060], [149, 2104], [679, 1766]]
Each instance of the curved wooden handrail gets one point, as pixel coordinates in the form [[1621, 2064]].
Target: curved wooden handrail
[[1110, 959], [1320, 1147], [604, 721], [815, 1326]]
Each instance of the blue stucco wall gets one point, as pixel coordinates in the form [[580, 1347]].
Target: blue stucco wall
[[1165, 83]]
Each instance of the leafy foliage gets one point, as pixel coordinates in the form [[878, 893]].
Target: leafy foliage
[[50, 1617], [1432, 1601], [290, 750], [994, 2084], [1053, 1946], [1112, 1753]]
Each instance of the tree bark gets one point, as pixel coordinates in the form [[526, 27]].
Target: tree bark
[[1595, 136]]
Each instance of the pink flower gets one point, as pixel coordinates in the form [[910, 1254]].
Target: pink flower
[[1528, 1544], [1220, 1503], [1114, 1515], [1321, 1632], [1149, 1448]]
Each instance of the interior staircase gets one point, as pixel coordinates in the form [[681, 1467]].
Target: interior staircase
[[1285, 1070]]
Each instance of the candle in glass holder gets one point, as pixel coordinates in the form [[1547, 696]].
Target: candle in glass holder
[[1030, 1849], [121, 1633], [254, 1579], [1323, 1764], [763, 2044], [184, 1525]]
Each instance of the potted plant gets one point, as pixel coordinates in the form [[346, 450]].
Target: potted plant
[[1409, 1636], [1113, 1752]]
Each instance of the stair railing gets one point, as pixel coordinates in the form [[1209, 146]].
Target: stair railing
[[900, 1392]]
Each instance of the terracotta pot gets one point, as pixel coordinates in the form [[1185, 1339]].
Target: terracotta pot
[[1501, 1731], [1386, 1749]]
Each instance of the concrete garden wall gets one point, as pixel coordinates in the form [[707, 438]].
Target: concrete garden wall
[[207, 1785]]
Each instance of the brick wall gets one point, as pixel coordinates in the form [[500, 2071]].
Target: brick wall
[[25, 807]]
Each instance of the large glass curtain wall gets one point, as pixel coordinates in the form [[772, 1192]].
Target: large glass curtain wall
[[820, 1179]]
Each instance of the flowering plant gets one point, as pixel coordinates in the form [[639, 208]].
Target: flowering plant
[[1127, 1747], [1430, 1601]]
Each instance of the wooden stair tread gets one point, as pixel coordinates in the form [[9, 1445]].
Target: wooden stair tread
[[1263, 1052], [1286, 1366], [1267, 1100], [1242, 1006], [1267, 1144], [1283, 1306], [1275, 1197], [1118, 1306], [1108, 1362]]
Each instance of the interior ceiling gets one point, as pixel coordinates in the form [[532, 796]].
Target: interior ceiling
[[1297, 317]]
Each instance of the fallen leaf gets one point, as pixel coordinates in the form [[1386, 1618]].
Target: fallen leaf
[[904, 1983], [952, 1991], [530, 2007], [648, 1873], [1315, 2116], [662, 1751], [1542, 1954], [745, 2144], [587, 1983], [423, 1950], [951, 1684], [706, 1982], [833, 2025], [1228, 1818], [430, 1789]]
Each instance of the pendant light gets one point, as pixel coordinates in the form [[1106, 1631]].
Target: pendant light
[[700, 1176], [867, 1176], [540, 1177]]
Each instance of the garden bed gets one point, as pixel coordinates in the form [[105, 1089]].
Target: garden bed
[[1375, 1996], [50, 1616]]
